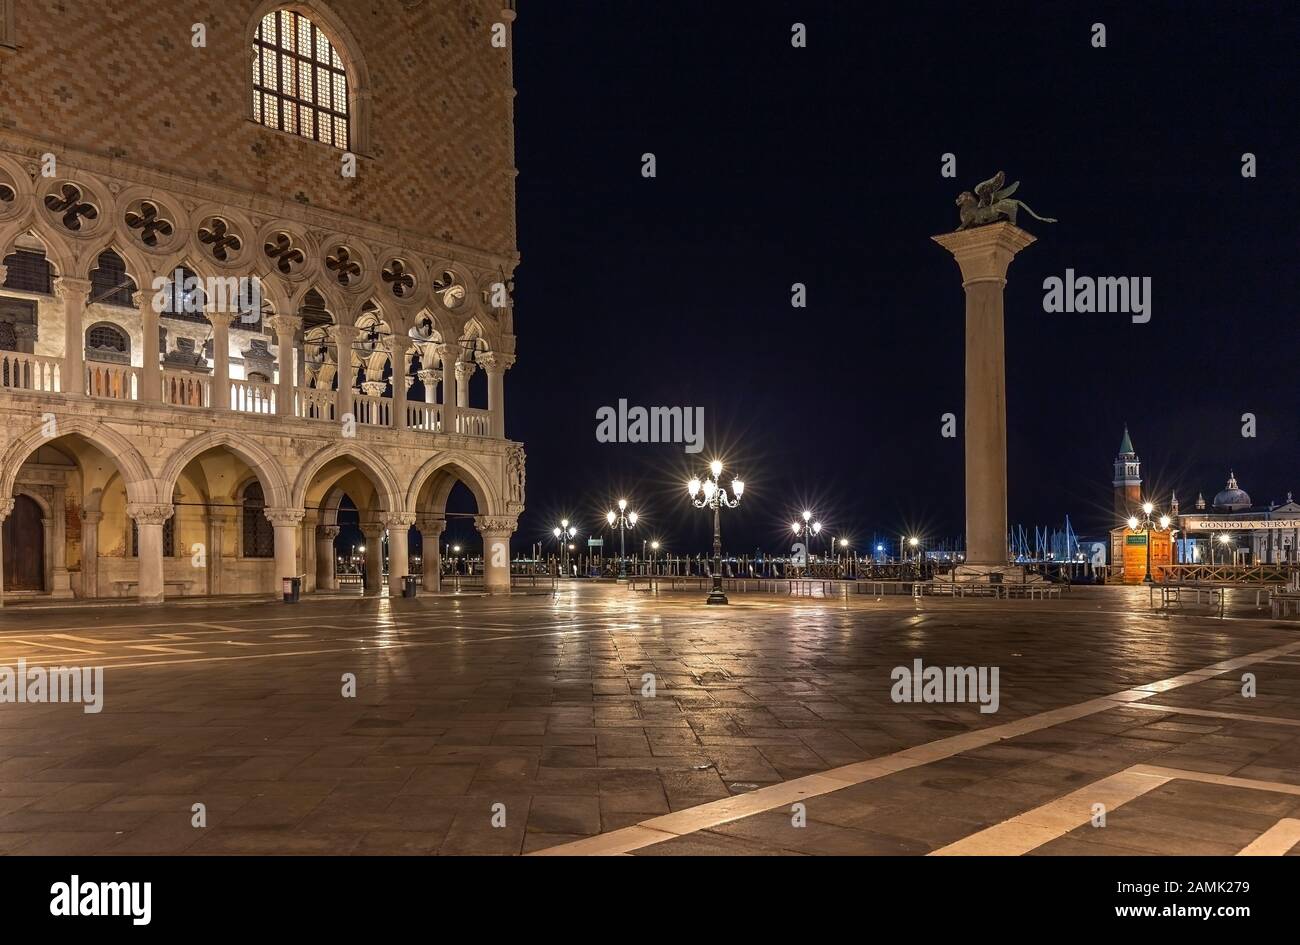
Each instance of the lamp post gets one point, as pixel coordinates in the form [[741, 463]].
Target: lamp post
[[713, 496], [624, 520], [654, 553], [806, 529], [1146, 523], [562, 535]]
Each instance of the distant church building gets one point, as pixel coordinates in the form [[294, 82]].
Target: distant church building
[[1230, 529]]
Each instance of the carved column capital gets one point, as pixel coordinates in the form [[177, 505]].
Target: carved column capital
[[285, 324], [90, 517], [328, 531], [465, 370], [150, 513], [399, 519], [282, 517], [495, 362], [448, 353], [374, 388], [6, 506], [429, 376], [497, 526], [69, 288]]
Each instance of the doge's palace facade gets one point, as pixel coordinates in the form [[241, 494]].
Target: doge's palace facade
[[255, 257]]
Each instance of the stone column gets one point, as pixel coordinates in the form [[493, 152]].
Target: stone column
[[307, 544], [400, 380], [983, 255], [326, 579], [344, 336], [90, 553], [431, 529], [149, 519], [399, 562], [285, 523], [6, 506], [496, 366], [286, 328], [220, 360], [73, 293], [448, 353], [464, 371], [374, 569], [429, 378], [151, 368], [496, 531]]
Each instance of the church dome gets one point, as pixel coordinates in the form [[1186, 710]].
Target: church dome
[[1232, 498]]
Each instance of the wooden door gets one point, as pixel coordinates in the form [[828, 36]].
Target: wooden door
[[24, 547]]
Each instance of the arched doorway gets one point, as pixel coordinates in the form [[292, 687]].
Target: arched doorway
[[24, 547]]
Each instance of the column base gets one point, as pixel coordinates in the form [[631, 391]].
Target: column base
[[994, 574]]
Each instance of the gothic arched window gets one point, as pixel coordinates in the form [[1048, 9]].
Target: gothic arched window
[[109, 283], [259, 534], [300, 85], [106, 342]]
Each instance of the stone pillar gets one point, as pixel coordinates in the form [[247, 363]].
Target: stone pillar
[[496, 366], [429, 378], [464, 371], [400, 380], [151, 368], [60, 580], [286, 329], [431, 529], [220, 360], [326, 578], [285, 522], [448, 354], [90, 553], [373, 576], [983, 255], [344, 336], [6, 506], [496, 531], [399, 562], [149, 520], [73, 293], [307, 544]]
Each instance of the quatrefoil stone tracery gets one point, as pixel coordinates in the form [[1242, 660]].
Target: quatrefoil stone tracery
[[449, 288], [346, 269], [400, 280], [150, 224], [69, 205], [219, 240], [287, 257]]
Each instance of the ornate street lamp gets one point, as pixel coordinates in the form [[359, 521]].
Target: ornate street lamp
[[624, 520], [707, 494], [1146, 523], [806, 529], [564, 532]]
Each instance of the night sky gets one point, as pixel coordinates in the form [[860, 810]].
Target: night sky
[[821, 165]]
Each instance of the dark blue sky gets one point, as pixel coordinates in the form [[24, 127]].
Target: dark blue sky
[[822, 165]]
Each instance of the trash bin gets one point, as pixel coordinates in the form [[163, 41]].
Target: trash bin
[[409, 584], [292, 587]]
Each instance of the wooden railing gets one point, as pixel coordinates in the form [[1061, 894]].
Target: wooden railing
[[1285, 573], [372, 411], [252, 396], [421, 416], [20, 371], [112, 381], [183, 389]]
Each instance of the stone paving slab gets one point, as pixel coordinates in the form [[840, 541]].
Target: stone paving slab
[[531, 709]]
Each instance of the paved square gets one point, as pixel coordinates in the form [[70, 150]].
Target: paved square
[[484, 725]]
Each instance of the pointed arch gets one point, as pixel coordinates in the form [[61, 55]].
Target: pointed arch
[[457, 467], [135, 471], [264, 465], [375, 469]]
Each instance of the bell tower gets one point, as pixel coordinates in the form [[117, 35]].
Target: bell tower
[[1128, 479]]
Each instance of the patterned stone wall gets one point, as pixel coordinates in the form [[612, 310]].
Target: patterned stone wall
[[121, 79]]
